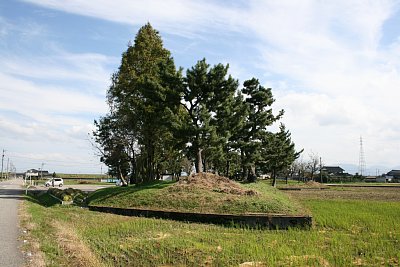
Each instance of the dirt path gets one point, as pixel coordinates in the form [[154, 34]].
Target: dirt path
[[10, 196]]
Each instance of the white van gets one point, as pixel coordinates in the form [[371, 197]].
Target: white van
[[54, 182]]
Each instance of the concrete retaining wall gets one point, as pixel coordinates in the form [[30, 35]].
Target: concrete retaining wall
[[269, 221]]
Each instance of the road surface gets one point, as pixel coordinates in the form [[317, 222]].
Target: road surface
[[10, 196], [83, 187]]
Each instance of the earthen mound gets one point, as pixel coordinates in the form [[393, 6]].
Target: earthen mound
[[314, 184], [213, 182]]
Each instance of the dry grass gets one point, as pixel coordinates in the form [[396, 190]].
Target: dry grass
[[79, 254], [307, 260], [31, 249], [350, 193], [213, 182]]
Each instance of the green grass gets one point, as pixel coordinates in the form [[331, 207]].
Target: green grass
[[163, 196], [84, 176], [346, 233]]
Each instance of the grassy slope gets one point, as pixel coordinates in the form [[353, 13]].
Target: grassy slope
[[163, 196], [347, 233]]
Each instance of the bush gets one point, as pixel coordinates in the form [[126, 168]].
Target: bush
[[69, 194]]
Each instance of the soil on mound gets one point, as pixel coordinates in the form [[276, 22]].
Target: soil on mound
[[314, 184], [213, 182]]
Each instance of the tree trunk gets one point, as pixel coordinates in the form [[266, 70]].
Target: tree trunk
[[252, 177], [199, 161], [121, 176], [227, 168], [133, 177], [244, 170], [205, 164], [273, 178]]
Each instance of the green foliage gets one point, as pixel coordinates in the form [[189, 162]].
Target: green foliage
[[278, 152], [144, 100], [69, 194], [158, 118], [254, 115], [207, 95]]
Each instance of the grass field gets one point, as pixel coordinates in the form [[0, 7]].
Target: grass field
[[352, 227], [346, 233], [165, 196]]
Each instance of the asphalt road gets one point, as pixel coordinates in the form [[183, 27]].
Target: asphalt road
[[10, 195], [83, 187]]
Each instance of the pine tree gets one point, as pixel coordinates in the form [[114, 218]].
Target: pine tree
[[278, 152], [206, 93], [254, 115]]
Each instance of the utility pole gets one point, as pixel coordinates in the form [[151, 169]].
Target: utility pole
[[8, 164], [41, 171], [320, 169], [2, 162]]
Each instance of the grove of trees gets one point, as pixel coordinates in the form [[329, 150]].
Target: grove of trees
[[162, 118]]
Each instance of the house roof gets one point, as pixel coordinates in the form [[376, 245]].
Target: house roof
[[36, 171], [332, 169], [32, 171], [394, 173]]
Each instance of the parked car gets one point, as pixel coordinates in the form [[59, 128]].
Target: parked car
[[54, 182]]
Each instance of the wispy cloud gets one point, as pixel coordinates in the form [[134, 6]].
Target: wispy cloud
[[332, 73]]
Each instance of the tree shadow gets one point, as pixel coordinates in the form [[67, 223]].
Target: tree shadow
[[106, 193], [41, 198], [11, 194]]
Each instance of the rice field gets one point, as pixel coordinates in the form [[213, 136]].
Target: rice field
[[347, 232]]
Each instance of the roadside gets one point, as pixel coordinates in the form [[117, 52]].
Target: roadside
[[10, 197], [83, 187]]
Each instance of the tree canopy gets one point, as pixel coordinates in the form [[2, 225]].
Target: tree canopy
[[159, 119]]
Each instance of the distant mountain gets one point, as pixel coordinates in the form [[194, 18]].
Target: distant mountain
[[371, 170]]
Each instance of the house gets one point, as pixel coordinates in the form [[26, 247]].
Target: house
[[370, 179], [333, 170], [394, 174], [33, 173]]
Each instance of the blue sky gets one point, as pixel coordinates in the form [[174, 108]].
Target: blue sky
[[333, 66]]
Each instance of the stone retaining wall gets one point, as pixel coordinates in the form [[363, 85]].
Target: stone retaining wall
[[270, 221]]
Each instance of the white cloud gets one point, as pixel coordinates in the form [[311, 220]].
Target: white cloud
[[176, 16], [339, 81]]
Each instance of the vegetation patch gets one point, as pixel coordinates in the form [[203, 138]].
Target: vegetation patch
[[202, 193], [68, 195], [75, 248], [385, 194], [347, 232], [211, 182], [302, 185]]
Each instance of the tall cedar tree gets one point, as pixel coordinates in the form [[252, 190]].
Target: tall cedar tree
[[144, 94]]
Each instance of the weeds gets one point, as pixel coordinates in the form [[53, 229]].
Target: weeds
[[346, 233]]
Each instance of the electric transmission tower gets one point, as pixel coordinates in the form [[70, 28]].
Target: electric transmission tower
[[361, 159]]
